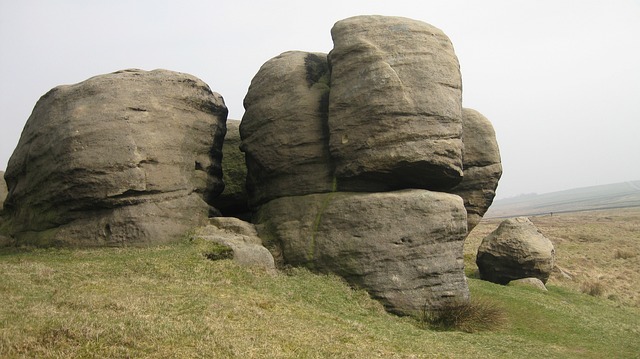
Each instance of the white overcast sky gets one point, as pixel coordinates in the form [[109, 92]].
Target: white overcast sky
[[559, 79]]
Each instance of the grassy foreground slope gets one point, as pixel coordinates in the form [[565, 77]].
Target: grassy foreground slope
[[171, 301]]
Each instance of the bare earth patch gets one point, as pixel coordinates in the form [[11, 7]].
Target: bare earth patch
[[597, 252]]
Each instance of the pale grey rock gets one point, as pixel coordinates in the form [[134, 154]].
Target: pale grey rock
[[242, 238], [563, 273], [283, 130], [233, 201], [329, 144], [237, 226], [515, 250], [395, 113], [529, 282], [403, 247], [130, 157], [482, 166]]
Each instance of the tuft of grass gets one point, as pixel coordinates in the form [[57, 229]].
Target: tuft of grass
[[594, 288], [624, 254], [470, 317], [209, 249], [218, 252]]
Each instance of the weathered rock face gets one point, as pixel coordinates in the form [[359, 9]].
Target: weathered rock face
[[241, 237], [3, 194], [3, 190], [127, 157], [283, 130], [395, 113], [348, 161], [233, 201], [404, 247], [515, 250], [482, 166]]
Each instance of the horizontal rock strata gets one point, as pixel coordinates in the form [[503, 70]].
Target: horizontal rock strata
[[404, 247], [127, 157], [283, 130], [395, 113]]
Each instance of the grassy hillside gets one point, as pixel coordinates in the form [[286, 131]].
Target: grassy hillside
[[171, 301]]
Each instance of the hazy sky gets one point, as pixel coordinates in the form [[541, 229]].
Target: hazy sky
[[559, 79]]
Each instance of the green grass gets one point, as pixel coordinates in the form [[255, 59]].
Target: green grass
[[171, 301], [468, 316]]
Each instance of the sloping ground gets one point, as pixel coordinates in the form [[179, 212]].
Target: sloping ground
[[599, 251], [617, 195], [171, 301]]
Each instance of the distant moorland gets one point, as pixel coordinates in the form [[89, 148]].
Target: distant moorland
[[617, 195], [596, 251]]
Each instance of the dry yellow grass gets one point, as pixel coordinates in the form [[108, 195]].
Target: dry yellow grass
[[594, 249]]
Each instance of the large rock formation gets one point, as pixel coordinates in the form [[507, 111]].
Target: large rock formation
[[356, 163], [127, 157], [515, 250], [349, 161], [482, 166], [395, 112], [404, 247]]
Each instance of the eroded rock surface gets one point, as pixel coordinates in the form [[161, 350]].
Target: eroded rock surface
[[395, 106], [352, 162], [482, 166], [122, 158], [283, 130], [404, 247], [242, 238], [515, 250]]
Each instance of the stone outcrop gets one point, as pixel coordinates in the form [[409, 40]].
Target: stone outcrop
[[360, 163], [355, 161], [395, 112], [124, 158], [241, 237], [515, 250], [283, 130], [482, 166], [233, 201], [404, 247]]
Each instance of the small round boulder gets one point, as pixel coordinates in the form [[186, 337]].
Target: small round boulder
[[515, 250]]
